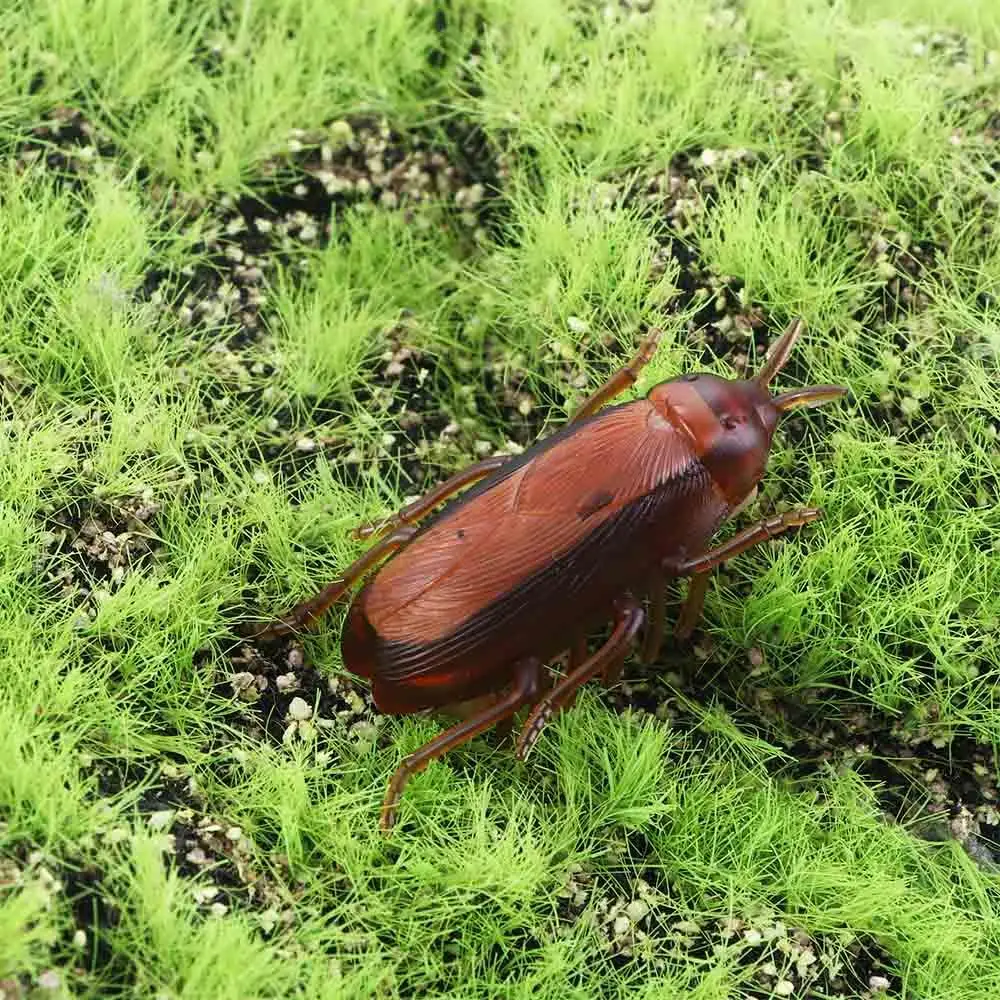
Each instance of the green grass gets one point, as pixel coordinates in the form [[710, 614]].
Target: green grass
[[852, 126]]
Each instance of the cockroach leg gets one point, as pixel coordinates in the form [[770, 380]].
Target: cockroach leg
[[655, 619], [769, 527], [575, 658], [474, 706], [612, 673], [304, 615], [419, 508], [504, 728], [623, 378], [628, 621], [694, 602], [524, 690], [693, 605]]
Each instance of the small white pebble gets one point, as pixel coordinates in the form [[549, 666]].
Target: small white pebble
[[637, 909], [365, 731], [753, 936], [234, 833], [878, 983], [80, 939], [305, 444], [299, 710], [161, 819], [205, 893], [577, 325], [784, 987], [621, 925], [50, 980]]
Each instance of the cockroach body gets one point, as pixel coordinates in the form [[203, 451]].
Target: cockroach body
[[553, 543]]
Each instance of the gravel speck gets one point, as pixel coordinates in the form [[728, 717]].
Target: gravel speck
[[50, 980], [299, 710]]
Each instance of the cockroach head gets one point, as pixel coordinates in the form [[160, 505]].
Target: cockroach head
[[731, 422]]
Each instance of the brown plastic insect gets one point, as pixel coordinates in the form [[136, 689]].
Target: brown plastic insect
[[551, 544]]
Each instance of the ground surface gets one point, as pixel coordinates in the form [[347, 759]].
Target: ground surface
[[254, 260]]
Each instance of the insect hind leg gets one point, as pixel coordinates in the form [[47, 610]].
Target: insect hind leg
[[623, 378], [524, 690], [606, 660], [303, 616], [421, 507]]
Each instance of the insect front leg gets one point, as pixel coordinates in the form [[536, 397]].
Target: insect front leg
[[419, 508], [693, 605], [762, 531], [527, 683], [304, 615], [629, 620], [694, 602]]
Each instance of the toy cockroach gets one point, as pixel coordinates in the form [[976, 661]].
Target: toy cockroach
[[553, 543]]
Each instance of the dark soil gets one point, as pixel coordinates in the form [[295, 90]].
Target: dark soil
[[642, 920], [301, 195], [277, 696], [95, 545], [68, 146], [80, 887]]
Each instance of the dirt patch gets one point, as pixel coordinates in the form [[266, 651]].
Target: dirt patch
[[92, 546], [278, 696], [80, 888], [640, 920], [400, 391], [217, 856], [301, 193], [68, 146]]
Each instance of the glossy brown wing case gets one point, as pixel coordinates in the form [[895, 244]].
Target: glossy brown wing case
[[575, 517]]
